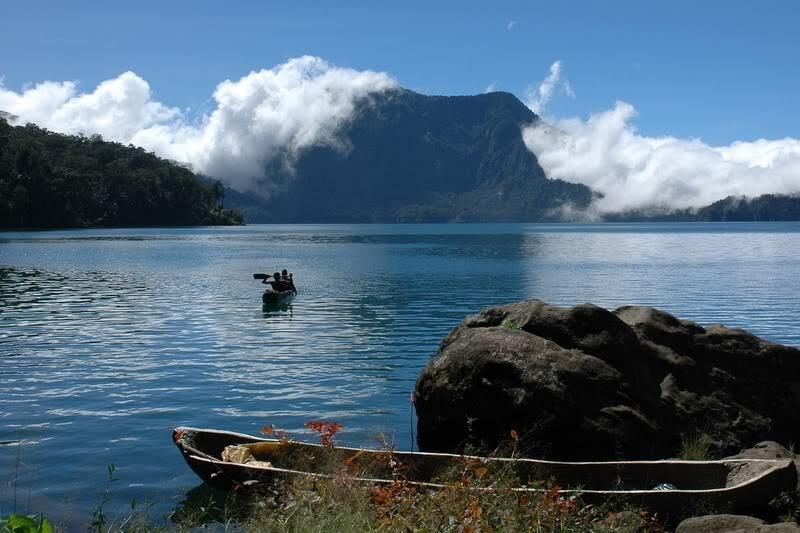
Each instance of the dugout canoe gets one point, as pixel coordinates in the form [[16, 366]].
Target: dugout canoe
[[275, 297], [664, 486]]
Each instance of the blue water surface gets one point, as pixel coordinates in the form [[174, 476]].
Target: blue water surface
[[110, 338]]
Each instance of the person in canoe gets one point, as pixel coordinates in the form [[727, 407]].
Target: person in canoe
[[286, 277], [277, 283], [280, 283]]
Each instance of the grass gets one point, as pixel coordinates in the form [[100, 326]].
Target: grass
[[311, 505], [696, 447]]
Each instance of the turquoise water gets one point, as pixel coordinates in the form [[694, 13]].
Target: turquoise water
[[110, 338]]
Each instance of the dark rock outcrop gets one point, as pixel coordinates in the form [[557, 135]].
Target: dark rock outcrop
[[587, 383], [728, 523]]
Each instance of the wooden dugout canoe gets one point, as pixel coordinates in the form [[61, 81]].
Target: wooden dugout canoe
[[273, 297], [739, 485]]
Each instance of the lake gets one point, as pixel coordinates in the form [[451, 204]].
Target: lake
[[110, 338]]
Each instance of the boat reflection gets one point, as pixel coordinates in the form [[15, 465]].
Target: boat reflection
[[277, 309]]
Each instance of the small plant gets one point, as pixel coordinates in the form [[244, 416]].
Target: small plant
[[270, 429], [696, 447], [99, 518], [514, 441], [326, 430], [510, 324], [17, 523]]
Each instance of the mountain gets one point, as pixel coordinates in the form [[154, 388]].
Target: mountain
[[767, 207], [764, 208], [409, 157], [51, 180]]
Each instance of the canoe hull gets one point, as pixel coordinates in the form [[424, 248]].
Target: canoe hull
[[741, 485], [273, 297]]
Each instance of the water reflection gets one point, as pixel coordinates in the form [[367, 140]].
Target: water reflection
[[277, 310]]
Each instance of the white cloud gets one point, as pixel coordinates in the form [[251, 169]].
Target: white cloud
[[491, 88], [537, 98], [634, 171], [265, 114], [511, 24], [38, 103], [568, 89]]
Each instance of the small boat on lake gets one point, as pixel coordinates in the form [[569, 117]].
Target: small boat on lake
[[274, 297], [666, 486], [282, 287]]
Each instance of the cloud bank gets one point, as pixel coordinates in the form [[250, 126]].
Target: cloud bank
[[633, 171], [271, 113]]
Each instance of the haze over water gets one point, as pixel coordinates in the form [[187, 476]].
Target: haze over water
[[110, 338]]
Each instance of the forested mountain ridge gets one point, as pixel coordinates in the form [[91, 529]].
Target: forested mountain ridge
[[409, 157], [402, 157], [764, 208], [51, 180]]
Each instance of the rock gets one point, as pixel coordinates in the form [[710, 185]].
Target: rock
[[765, 450], [781, 527], [728, 523], [719, 523], [771, 450], [584, 383]]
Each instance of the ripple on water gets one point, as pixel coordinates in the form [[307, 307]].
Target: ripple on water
[[109, 338]]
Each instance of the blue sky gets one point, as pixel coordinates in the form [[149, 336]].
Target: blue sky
[[718, 70]]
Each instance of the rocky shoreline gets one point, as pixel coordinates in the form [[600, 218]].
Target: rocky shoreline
[[584, 383]]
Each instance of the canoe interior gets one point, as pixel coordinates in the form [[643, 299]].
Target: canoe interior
[[425, 467], [272, 297]]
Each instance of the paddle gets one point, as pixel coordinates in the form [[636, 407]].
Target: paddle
[[262, 276]]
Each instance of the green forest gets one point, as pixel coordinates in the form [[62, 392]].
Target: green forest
[[52, 180]]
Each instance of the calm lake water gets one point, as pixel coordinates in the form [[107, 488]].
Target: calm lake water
[[110, 338]]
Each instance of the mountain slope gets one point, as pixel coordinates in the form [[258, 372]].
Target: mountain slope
[[413, 158], [51, 180], [764, 208]]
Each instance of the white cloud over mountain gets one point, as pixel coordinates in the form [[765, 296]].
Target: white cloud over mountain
[[634, 171], [278, 112], [269, 113]]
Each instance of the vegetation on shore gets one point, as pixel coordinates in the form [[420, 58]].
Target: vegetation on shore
[[52, 180], [471, 497], [17, 523]]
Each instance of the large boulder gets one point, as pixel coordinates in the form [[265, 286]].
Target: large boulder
[[587, 383]]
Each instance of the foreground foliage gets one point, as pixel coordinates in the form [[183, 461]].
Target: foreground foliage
[[17, 523], [51, 180], [337, 505]]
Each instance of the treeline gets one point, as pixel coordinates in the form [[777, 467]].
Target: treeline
[[51, 180], [767, 207], [764, 208]]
